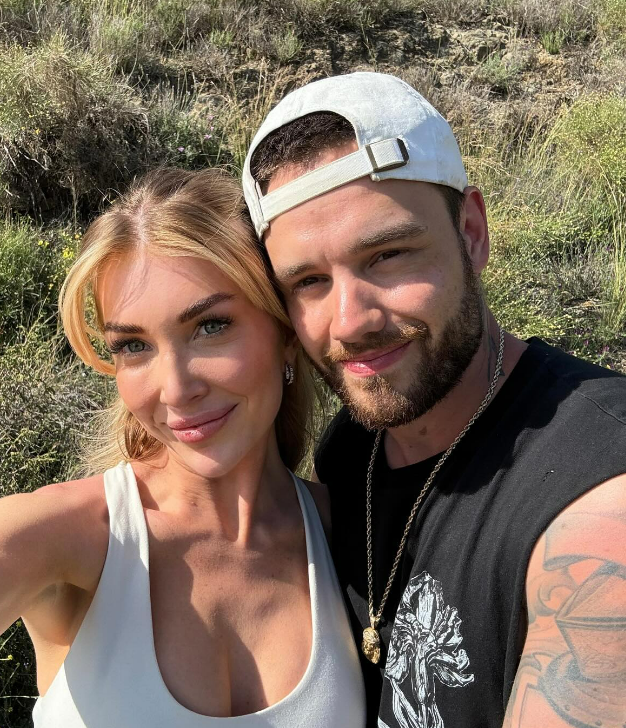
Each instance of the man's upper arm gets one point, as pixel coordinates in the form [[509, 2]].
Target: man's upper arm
[[573, 668]]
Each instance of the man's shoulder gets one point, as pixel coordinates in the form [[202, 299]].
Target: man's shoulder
[[575, 380]]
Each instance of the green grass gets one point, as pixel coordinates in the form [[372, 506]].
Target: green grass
[[611, 21], [559, 257], [553, 40]]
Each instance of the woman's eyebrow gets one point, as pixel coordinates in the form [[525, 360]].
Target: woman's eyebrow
[[187, 315], [122, 328], [202, 305]]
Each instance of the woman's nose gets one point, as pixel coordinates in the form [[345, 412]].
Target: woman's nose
[[178, 383]]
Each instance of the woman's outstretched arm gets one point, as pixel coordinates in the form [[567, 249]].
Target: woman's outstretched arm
[[51, 537]]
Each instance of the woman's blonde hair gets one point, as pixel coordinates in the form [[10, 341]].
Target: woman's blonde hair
[[173, 212]]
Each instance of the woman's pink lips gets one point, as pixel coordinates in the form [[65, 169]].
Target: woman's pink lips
[[197, 433], [367, 367]]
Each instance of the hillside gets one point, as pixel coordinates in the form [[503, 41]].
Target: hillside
[[95, 93]]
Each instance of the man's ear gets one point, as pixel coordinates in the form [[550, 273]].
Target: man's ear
[[474, 230]]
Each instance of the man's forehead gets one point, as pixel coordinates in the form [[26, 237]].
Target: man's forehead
[[289, 262], [354, 212], [290, 172]]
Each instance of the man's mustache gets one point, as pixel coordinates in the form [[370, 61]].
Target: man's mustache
[[373, 341]]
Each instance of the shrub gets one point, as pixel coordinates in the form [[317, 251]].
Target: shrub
[[186, 130], [286, 45], [553, 40], [33, 263], [501, 74], [612, 21], [72, 132], [317, 17], [451, 11]]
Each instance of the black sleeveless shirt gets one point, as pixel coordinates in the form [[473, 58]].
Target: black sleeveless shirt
[[556, 428]]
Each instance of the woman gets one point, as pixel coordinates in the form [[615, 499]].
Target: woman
[[191, 582]]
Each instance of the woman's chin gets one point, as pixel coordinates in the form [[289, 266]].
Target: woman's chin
[[210, 462]]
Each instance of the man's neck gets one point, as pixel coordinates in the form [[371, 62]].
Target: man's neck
[[436, 430]]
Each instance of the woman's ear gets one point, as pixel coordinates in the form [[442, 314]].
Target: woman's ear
[[292, 346]]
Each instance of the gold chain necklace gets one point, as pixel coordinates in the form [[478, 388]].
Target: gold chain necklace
[[371, 638]]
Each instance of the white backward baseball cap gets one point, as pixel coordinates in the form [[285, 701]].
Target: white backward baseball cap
[[400, 135]]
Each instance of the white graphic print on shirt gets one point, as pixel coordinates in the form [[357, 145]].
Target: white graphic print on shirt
[[424, 645]]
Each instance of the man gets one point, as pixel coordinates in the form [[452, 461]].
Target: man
[[477, 486]]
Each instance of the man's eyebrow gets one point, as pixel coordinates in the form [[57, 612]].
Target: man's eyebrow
[[187, 315], [387, 235], [293, 271], [403, 230]]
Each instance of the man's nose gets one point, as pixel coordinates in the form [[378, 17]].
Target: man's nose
[[356, 310], [179, 385]]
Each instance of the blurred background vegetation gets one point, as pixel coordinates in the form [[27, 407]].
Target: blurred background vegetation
[[93, 93]]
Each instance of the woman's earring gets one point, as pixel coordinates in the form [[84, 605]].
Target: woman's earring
[[289, 375]]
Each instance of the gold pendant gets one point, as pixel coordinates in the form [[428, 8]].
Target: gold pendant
[[371, 645]]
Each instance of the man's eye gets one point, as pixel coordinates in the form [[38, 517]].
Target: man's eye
[[387, 254], [306, 282]]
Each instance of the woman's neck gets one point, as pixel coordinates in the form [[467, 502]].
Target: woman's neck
[[244, 505]]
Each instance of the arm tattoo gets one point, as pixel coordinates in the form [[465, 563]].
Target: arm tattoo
[[573, 668]]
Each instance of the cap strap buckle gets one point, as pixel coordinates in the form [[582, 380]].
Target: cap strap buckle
[[369, 160]]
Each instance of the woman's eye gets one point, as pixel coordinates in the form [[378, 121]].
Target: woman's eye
[[126, 348], [135, 347], [214, 326]]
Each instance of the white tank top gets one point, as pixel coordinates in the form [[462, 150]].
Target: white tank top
[[111, 679]]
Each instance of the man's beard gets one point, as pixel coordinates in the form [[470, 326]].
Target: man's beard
[[373, 401]]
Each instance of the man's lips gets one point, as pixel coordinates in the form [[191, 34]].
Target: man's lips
[[373, 362], [195, 429]]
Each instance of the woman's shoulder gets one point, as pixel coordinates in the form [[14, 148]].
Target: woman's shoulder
[[61, 533], [82, 499], [68, 521], [59, 502]]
